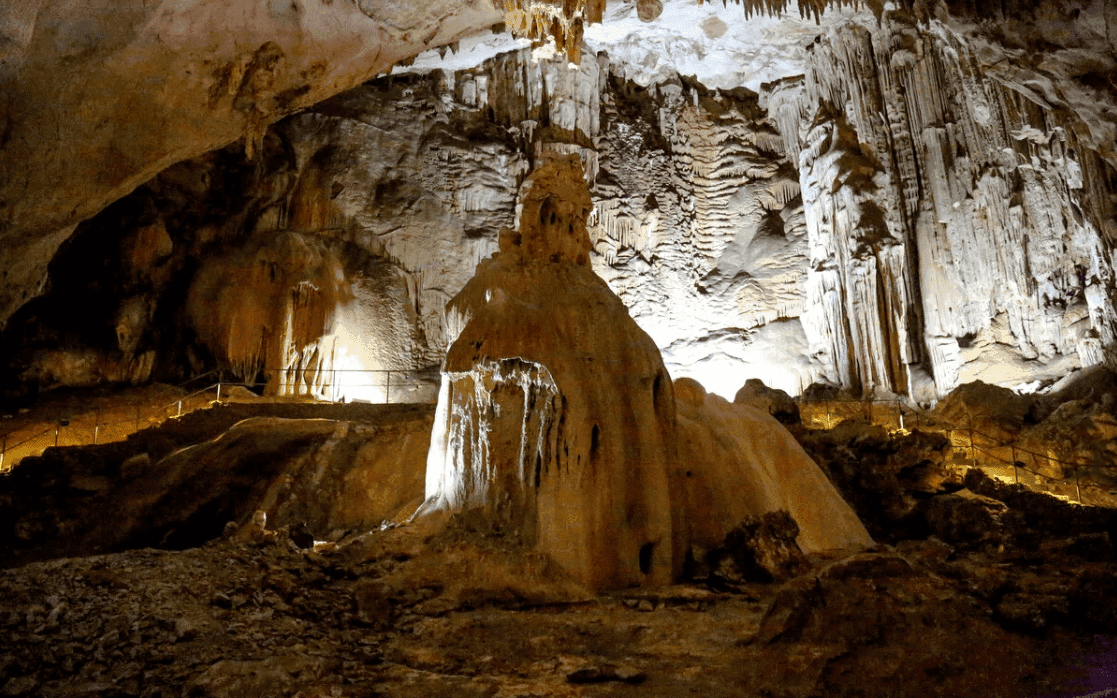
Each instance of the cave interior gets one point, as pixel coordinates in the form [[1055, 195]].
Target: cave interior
[[558, 348]]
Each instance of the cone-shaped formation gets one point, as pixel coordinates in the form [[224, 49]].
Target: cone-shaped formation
[[556, 413], [557, 418]]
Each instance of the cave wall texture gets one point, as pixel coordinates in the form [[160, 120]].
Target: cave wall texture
[[926, 200], [98, 97]]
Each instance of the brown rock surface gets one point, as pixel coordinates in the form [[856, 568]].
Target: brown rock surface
[[251, 466], [759, 549], [883, 476], [269, 306], [83, 126], [998, 412], [771, 400], [736, 462], [467, 609], [393, 614]]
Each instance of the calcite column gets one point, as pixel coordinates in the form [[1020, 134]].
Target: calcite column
[[556, 415]]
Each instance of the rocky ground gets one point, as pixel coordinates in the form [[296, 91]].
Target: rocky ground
[[975, 589], [404, 613]]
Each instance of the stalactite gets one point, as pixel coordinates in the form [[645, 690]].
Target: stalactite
[[561, 20], [807, 8]]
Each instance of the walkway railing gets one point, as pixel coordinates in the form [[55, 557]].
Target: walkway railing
[[896, 414], [118, 422]]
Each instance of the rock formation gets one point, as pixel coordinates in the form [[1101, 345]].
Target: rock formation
[[557, 418], [957, 225], [736, 462], [82, 123], [290, 311], [556, 414], [235, 469]]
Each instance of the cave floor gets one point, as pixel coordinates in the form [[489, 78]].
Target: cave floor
[[404, 612]]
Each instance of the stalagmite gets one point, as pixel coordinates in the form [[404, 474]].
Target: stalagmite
[[557, 419], [556, 414]]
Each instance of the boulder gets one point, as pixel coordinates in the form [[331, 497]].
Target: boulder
[[965, 517], [771, 400], [760, 549]]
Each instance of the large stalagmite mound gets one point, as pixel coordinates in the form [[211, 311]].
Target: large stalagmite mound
[[556, 412], [557, 418]]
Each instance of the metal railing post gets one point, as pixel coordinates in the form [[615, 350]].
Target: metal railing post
[[179, 409], [219, 391], [1077, 486], [1015, 469]]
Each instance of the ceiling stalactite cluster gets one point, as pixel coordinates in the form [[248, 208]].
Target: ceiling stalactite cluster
[[806, 8], [564, 20], [561, 20]]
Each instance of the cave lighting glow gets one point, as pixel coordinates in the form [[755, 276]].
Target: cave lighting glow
[[356, 374], [775, 353]]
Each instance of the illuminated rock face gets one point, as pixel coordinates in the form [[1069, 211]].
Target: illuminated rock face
[[920, 208], [556, 414], [347, 468], [698, 226], [959, 209], [288, 307]]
